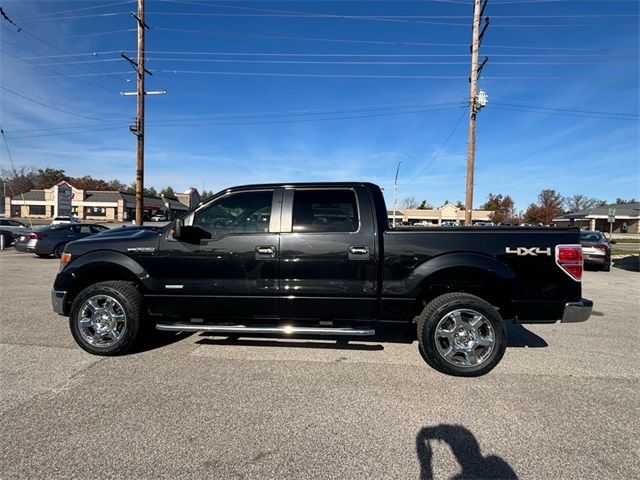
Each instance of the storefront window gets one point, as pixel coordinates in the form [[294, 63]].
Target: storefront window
[[37, 210]]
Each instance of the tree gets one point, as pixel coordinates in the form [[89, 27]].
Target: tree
[[167, 192], [425, 206], [48, 177], [409, 202], [548, 207], [503, 208], [620, 201], [460, 205], [150, 191], [578, 203], [116, 185], [17, 180], [206, 194], [89, 183]]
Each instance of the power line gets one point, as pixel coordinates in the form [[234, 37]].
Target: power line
[[389, 55], [75, 10], [564, 109], [76, 109], [354, 55], [52, 107], [444, 144], [57, 134], [271, 114], [98, 34], [52, 45], [73, 17], [417, 77], [50, 70], [372, 17], [567, 113], [352, 41], [300, 120], [297, 113]]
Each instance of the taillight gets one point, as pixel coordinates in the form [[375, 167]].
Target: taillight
[[35, 236], [602, 247], [569, 259]]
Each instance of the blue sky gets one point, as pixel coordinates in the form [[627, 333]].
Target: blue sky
[[261, 91]]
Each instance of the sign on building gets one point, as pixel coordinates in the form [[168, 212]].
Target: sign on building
[[63, 195]]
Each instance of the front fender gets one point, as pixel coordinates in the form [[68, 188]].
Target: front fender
[[101, 260]]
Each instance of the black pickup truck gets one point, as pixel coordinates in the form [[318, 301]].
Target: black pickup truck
[[319, 259]]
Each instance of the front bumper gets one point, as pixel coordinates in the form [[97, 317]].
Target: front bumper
[[58, 298], [577, 311]]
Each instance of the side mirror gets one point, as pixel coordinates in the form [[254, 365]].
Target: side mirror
[[176, 230], [613, 242]]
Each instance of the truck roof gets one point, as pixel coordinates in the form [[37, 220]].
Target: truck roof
[[302, 185]]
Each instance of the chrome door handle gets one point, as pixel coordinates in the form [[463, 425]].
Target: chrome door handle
[[358, 250], [266, 251]]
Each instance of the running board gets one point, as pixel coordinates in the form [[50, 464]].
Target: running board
[[280, 329]]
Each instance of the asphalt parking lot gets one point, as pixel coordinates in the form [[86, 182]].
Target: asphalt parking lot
[[563, 403]]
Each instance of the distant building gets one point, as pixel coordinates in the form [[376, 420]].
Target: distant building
[[101, 206], [627, 218], [435, 217]]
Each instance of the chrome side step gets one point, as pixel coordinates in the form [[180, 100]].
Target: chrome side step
[[275, 329]]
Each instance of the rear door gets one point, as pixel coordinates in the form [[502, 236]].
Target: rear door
[[327, 255]]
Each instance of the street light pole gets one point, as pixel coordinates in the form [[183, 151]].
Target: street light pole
[[395, 194]]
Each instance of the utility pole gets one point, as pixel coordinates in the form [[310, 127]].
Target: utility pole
[[140, 118], [395, 195], [138, 127], [474, 102]]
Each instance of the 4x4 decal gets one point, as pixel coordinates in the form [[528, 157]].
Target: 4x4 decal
[[524, 251]]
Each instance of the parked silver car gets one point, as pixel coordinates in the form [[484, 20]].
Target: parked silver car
[[51, 240]]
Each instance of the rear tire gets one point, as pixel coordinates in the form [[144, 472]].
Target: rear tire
[[462, 335], [105, 318], [607, 267]]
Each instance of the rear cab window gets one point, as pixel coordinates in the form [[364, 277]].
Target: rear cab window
[[325, 211]]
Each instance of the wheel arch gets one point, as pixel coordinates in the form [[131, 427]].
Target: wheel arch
[[99, 267], [476, 274]]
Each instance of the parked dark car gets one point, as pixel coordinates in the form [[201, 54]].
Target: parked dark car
[[320, 259], [596, 249], [52, 239], [7, 237], [14, 226]]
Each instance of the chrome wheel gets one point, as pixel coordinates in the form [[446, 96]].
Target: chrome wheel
[[101, 321], [464, 338]]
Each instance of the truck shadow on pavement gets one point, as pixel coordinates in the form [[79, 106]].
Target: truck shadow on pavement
[[630, 263], [160, 340], [465, 448], [518, 336]]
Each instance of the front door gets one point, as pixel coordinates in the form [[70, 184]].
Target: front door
[[231, 271], [327, 248]]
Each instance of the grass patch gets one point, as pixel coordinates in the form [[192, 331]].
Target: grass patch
[[627, 240]]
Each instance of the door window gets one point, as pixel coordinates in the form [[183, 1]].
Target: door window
[[80, 229], [247, 212], [325, 211]]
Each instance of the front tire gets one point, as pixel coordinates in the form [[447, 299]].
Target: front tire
[[461, 334], [59, 250], [105, 318]]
